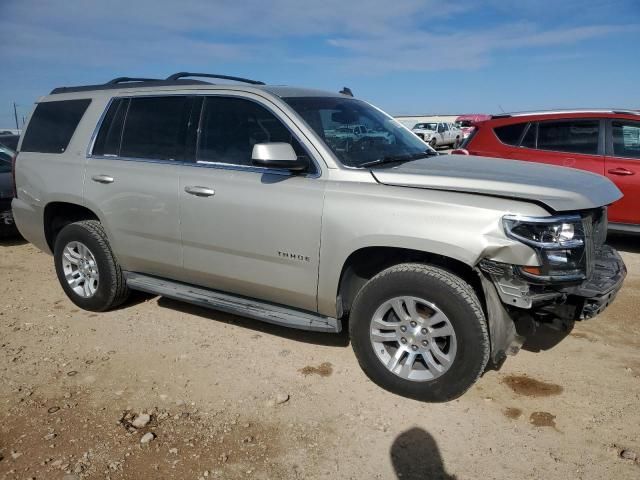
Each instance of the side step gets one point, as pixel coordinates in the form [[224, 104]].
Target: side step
[[225, 302]]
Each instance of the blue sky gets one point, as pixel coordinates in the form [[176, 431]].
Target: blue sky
[[406, 56]]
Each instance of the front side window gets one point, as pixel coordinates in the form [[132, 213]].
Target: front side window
[[230, 128], [155, 127], [384, 137], [52, 125], [626, 138], [574, 136]]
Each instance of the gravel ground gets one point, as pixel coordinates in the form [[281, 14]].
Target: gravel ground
[[160, 389]]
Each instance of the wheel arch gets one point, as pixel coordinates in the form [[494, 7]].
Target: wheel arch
[[59, 214], [366, 262]]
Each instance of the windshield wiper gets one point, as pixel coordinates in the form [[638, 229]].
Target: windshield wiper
[[398, 158]]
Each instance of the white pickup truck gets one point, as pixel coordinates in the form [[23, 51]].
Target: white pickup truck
[[438, 134]]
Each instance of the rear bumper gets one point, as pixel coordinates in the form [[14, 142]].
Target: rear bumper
[[29, 220]]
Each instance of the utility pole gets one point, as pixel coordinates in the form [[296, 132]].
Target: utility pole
[[15, 114]]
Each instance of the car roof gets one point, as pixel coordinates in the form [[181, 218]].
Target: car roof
[[559, 112], [183, 80]]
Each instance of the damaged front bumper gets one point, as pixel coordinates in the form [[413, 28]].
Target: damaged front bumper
[[516, 304]]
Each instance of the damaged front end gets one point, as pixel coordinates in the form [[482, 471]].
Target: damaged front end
[[577, 278]]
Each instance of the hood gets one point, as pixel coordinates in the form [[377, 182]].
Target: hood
[[559, 188]]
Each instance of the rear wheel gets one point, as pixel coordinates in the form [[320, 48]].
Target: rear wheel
[[86, 267], [419, 331]]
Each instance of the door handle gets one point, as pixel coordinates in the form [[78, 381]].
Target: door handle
[[621, 171], [102, 178], [200, 191]]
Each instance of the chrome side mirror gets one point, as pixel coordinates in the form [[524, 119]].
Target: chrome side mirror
[[277, 155]]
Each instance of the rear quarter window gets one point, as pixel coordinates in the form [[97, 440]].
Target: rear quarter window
[[52, 125], [510, 134]]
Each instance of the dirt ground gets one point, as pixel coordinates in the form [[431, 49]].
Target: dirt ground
[[229, 397]]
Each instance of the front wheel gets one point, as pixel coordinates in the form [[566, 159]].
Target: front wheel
[[87, 269], [433, 143], [419, 331]]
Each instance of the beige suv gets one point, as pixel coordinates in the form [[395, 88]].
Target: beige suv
[[230, 196]]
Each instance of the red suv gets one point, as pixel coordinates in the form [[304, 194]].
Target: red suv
[[606, 142]]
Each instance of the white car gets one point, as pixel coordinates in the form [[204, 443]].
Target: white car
[[354, 133], [439, 134]]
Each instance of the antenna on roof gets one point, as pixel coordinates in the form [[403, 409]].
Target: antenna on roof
[[346, 91]]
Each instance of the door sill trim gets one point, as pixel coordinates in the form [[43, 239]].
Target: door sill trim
[[234, 304]]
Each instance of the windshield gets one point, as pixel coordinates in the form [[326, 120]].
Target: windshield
[[380, 136], [427, 126]]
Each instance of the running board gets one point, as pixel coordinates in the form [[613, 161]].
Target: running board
[[225, 302]]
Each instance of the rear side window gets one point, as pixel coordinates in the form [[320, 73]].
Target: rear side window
[[52, 125], [108, 139], [529, 139], [575, 136], [626, 138], [510, 134], [155, 128]]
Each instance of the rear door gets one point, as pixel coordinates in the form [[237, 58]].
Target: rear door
[[623, 168], [132, 180]]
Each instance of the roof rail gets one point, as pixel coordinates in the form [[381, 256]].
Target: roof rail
[[568, 111], [179, 75], [130, 79]]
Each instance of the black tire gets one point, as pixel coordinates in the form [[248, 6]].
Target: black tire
[[112, 289], [455, 298], [457, 143], [434, 143]]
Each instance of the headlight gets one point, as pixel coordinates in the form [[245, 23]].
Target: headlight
[[558, 241]]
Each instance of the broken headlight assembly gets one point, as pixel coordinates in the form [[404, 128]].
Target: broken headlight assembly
[[559, 241]]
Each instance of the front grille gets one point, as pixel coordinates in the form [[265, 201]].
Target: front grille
[[595, 233]]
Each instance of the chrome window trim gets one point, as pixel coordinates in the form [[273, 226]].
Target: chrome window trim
[[218, 165]]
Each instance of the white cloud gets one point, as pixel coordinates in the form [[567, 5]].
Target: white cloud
[[367, 35]]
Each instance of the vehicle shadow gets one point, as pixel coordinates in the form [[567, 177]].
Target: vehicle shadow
[[415, 456], [544, 338], [624, 243], [315, 338], [13, 241]]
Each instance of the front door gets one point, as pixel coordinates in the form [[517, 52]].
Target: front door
[[623, 169], [247, 230]]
